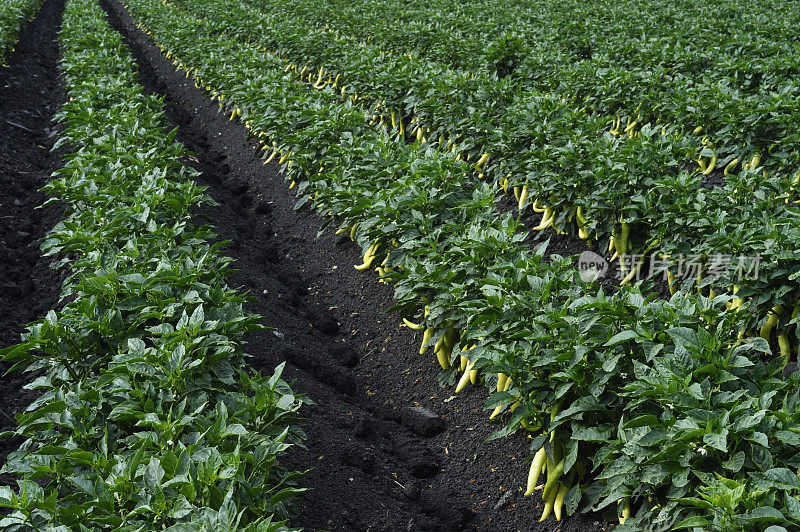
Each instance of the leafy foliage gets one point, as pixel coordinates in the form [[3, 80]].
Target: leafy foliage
[[13, 15], [587, 120], [642, 399], [146, 417]]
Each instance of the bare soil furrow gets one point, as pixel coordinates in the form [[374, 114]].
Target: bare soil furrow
[[31, 92]]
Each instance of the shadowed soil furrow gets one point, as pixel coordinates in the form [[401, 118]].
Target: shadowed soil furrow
[[31, 92]]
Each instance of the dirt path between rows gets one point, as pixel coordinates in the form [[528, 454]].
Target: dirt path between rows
[[31, 92]]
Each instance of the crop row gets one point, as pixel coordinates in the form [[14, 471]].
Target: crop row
[[671, 73], [503, 37], [146, 416], [634, 188], [738, 122], [13, 15], [637, 403]]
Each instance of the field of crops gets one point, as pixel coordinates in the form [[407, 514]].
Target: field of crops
[[209, 359]]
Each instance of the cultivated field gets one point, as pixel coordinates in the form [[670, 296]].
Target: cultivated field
[[574, 229]]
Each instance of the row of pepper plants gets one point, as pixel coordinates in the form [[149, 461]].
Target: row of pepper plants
[[500, 37], [14, 14], [624, 69], [146, 417], [637, 187], [663, 90], [656, 409]]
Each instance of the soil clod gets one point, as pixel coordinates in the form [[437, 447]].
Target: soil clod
[[422, 421]]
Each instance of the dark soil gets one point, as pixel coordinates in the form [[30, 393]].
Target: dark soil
[[30, 93]]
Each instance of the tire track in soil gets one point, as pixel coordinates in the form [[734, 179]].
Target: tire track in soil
[[375, 462], [31, 91]]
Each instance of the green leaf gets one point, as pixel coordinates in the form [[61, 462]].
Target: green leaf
[[96, 284], [764, 514], [696, 391], [126, 411], [788, 437], [776, 478], [620, 337], [693, 522], [197, 318], [234, 429], [749, 421], [735, 462], [153, 475], [684, 337], [792, 506], [759, 438], [717, 440], [181, 508], [647, 420], [284, 494], [694, 501], [572, 499], [591, 433]]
